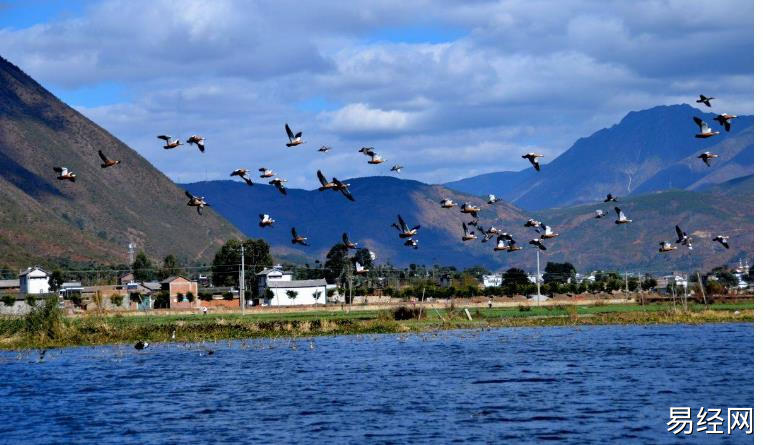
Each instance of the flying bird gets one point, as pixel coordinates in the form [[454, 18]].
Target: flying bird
[[64, 174], [500, 245], [405, 231], [666, 247], [704, 130], [347, 243], [724, 240], [468, 236], [198, 140], [547, 232], [725, 120], [447, 203], [537, 243], [335, 185], [266, 220], [196, 201], [513, 246], [621, 219], [169, 142], [265, 172], [296, 239], [683, 238], [106, 161], [533, 158], [278, 183], [410, 242], [470, 209], [533, 223], [325, 184], [359, 269], [491, 199], [244, 174], [376, 159], [294, 139], [704, 100], [600, 214], [706, 157], [610, 197], [368, 151], [396, 168], [324, 148], [487, 235]]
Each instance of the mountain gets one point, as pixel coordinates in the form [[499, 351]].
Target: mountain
[[649, 150], [588, 243], [94, 218]]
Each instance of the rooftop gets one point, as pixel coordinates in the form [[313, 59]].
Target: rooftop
[[296, 283], [5, 284]]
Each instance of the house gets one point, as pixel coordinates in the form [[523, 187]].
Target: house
[[493, 280], [70, 289], [446, 280], [126, 278], [674, 280], [276, 273], [306, 292], [176, 286], [34, 280], [9, 286]]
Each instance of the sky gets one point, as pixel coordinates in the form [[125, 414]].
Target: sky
[[448, 89]]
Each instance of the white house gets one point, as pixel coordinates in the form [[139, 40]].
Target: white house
[[494, 280], [307, 292], [276, 273], [34, 280]]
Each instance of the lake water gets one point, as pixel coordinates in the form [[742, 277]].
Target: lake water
[[576, 385]]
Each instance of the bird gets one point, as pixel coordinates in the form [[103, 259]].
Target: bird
[[621, 219], [198, 140], [704, 130], [725, 120], [405, 231], [335, 185], [447, 203], [106, 161], [666, 247], [376, 159], [410, 242], [610, 197], [706, 157], [537, 243], [359, 269], [196, 201], [296, 239], [325, 184], [547, 232], [513, 247], [468, 236], [244, 174], [266, 220], [683, 238], [533, 158], [347, 243], [169, 142], [600, 214], [265, 172], [294, 139], [324, 148], [724, 240], [142, 344], [704, 100], [533, 223], [487, 235], [500, 245], [491, 199], [368, 151], [278, 183], [64, 174], [470, 209], [396, 168]]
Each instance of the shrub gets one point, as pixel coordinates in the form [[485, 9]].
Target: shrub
[[228, 296], [45, 319], [189, 296], [205, 296], [30, 300], [8, 300], [407, 313], [162, 300], [117, 299]]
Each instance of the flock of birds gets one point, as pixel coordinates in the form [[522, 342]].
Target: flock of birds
[[504, 240]]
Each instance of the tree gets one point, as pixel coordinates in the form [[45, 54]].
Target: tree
[[515, 276], [142, 268], [227, 262], [169, 268], [649, 283], [477, 272], [558, 272], [336, 260], [55, 280], [363, 256], [317, 296], [292, 294]]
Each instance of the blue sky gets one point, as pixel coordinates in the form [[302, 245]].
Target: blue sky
[[447, 89]]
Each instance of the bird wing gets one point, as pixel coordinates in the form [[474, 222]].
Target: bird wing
[[536, 164], [164, 137], [403, 226], [59, 169], [347, 193], [248, 180], [189, 195], [322, 178], [702, 97], [288, 132], [463, 225], [699, 122], [680, 233], [294, 233], [102, 156], [397, 227], [345, 238], [280, 187], [298, 135], [416, 227], [620, 214]]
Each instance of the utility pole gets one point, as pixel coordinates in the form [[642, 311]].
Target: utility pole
[[702, 288], [537, 275], [626, 282], [241, 290]]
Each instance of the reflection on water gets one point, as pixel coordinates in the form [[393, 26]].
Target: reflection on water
[[603, 383]]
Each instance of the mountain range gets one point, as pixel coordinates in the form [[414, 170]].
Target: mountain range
[[92, 219], [648, 150]]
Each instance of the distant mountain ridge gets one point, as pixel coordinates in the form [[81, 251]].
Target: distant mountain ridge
[[94, 218], [648, 150]]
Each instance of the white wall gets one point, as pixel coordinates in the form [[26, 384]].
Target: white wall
[[304, 296], [35, 282]]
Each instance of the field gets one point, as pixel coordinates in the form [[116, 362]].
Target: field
[[44, 330]]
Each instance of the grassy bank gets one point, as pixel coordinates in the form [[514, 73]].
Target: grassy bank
[[47, 328]]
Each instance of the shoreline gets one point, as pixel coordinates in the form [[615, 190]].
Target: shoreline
[[106, 329]]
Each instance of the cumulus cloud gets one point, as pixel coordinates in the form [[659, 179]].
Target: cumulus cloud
[[516, 76]]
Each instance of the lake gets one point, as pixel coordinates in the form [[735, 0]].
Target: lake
[[587, 384]]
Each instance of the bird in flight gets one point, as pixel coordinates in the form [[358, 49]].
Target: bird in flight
[[266, 220], [725, 120], [537, 243], [491, 199], [297, 239], [198, 140], [324, 148], [665, 247], [265, 172], [704, 130], [704, 100], [706, 157], [347, 243], [169, 142], [533, 158], [278, 183], [106, 161], [196, 201], [396, 168], [64, 174], [547, 232], [600, 214], [533, 223], [470, 209], [410, 242], [447, 203], [683, 238], [468, 236], [610, 197], [405, 231], [294, 139], [724, 240], [621, 219], [244, 174]]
